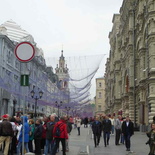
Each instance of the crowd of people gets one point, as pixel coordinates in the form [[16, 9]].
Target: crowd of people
[[40, 136], [123, 128]]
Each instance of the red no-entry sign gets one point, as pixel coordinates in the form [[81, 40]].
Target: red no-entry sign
[[24, 51]]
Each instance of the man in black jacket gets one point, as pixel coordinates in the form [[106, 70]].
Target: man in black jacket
[[127, 131], [37, 136], [49, 135], [6, 132], [106, 123], [97, 129]]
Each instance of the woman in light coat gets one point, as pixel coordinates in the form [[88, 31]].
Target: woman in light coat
[[78, 124]]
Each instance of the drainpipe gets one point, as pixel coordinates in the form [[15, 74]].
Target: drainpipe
[[134, 71], [147, 68]]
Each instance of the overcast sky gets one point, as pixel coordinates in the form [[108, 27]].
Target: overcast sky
[[81, 26]]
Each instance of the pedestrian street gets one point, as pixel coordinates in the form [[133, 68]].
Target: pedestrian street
[[84, 144]]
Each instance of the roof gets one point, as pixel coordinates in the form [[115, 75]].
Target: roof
[[14, 31], [100, 78]]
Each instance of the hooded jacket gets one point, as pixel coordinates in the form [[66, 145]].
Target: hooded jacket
[[26, 130]]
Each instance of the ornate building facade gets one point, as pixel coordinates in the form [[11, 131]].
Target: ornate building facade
[[62, 72], [130, 68], [100, 96], [13, 97]]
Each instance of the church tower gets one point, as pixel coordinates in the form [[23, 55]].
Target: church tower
[[62, 72]]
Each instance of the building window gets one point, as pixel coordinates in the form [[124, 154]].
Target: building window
[[99, 95], [100, 84], [17, 64], [99, 108], [8, 57], [15, 78]]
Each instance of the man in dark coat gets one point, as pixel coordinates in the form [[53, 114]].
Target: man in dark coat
[[38, 136], [6, 132], [86, 122], [97, 129], [106, 126], [49, 135], [127, 131]]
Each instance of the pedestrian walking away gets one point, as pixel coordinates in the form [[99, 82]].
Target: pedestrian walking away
[[127, 131]]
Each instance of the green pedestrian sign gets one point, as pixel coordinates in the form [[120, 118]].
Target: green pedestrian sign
[[24, 80]]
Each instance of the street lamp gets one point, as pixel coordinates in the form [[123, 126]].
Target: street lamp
[[67, 109], [36, 99], [74, 112], [58, 105]]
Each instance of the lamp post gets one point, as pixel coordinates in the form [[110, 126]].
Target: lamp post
[[36, 97], [58, 105], [67, 109], [74, 112]]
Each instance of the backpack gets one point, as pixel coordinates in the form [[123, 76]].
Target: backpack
[[58, 132]]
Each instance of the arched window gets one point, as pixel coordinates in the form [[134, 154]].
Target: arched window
[[99, 95]]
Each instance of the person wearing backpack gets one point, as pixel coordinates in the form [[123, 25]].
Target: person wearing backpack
[[60, 134]]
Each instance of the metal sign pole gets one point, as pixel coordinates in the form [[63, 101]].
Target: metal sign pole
[[24, 52], [24, 84], [23, 131]]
